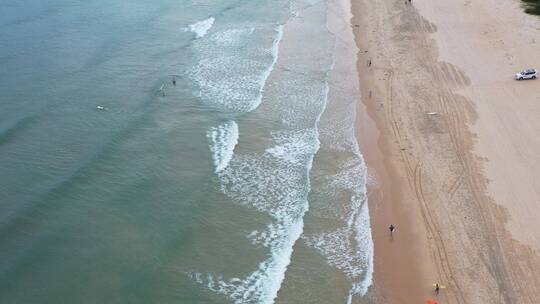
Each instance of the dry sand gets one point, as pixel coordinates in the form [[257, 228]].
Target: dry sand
[[454, 145]]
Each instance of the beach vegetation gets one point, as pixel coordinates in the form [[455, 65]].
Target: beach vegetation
[[531, 6]]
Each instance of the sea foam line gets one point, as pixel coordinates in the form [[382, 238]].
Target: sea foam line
[[287, 180], [287, 209], [262, 285], [349, 248], [285, 253], [264, 76], [358, 222], [364, 243], [223, 139], [202, 27], [232, 70]]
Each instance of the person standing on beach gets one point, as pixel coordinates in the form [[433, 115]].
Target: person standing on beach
[[392, 228], [369, 63], [437, 288]]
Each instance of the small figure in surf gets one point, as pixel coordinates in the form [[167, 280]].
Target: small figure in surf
[[437, 288], [392, 228], [174, 81], [369, 63]]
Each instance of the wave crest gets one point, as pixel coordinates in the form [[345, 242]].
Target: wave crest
[[202, 27], [223, 139]]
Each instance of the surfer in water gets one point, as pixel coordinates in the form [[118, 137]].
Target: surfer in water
[[437, 288], [174, 80]]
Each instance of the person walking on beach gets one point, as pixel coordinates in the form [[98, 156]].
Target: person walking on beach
[[437, 288], [392, 228], [369, 63]]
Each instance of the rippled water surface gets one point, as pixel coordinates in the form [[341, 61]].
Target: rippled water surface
[[180, 152]]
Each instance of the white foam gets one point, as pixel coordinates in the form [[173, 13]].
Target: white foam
[[231, 37], [350, 247], [264, 76], [223, 139], [232, 70], [262, 285], [294, 147], [276, 181], [202, 27], [364, 243], [279, 189]]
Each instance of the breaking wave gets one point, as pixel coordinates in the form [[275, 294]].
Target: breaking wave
[[202, 27], [223, 139], [230, 77], [279, 189]]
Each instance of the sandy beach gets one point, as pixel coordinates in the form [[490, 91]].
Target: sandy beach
[[452, 141]]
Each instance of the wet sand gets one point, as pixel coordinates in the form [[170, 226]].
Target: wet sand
[[452, 141]]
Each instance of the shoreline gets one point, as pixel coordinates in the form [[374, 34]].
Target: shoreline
[[434, 112], [398, 275]]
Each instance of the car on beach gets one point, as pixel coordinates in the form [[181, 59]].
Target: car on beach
[[527, 74]]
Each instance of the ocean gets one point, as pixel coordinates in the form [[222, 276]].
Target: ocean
[[181, 152]]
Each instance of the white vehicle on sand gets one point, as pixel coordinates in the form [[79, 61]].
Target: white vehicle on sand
[[527, 74]]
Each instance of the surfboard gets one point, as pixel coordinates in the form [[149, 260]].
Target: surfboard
[[440, 286]]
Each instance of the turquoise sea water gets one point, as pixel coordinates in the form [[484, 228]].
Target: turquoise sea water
[[242, 183]]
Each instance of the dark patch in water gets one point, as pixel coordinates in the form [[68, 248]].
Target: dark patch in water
[[12, 131]]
